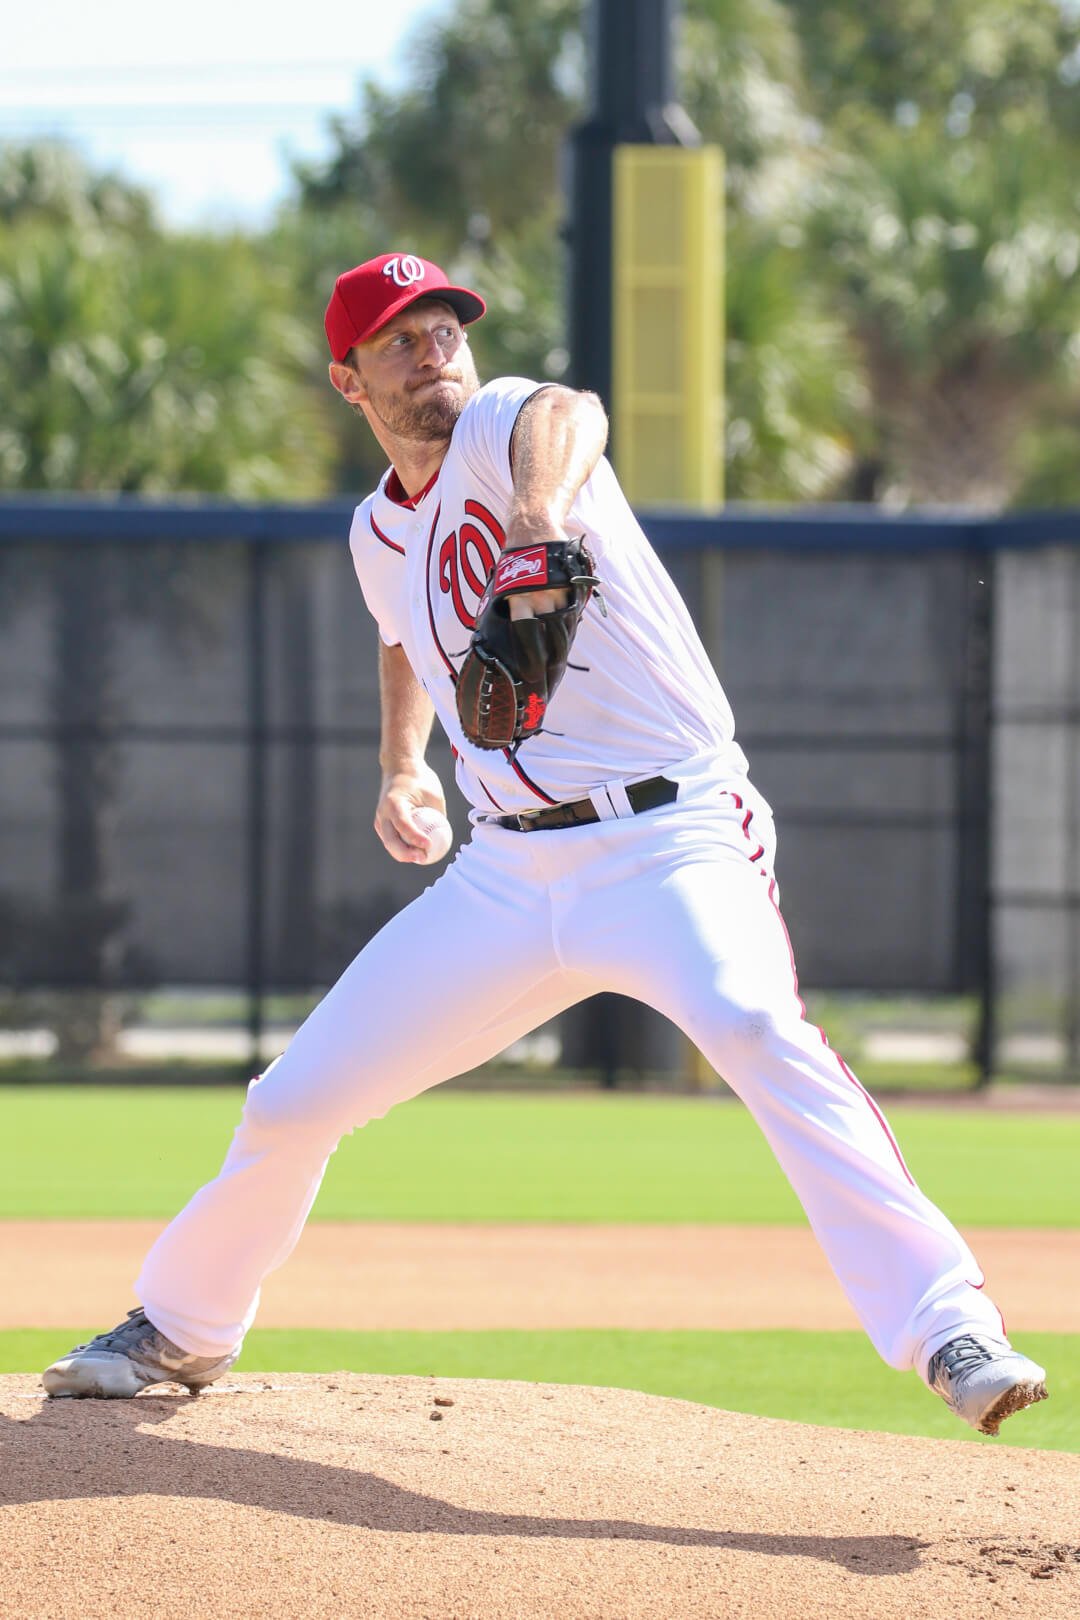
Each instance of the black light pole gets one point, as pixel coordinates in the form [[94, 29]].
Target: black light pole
[[631, 100]]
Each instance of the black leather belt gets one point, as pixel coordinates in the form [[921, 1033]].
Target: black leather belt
[[648, 795]]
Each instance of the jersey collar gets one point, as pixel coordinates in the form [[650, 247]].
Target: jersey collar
[[394, 490]]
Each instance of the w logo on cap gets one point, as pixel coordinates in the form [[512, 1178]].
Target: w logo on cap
[[367, 296], [403, 270]]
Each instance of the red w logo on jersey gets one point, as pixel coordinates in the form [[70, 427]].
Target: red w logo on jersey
[[467, 559], [534, 711]]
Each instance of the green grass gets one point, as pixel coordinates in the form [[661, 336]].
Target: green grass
[[88, 1152], [834, 1379]]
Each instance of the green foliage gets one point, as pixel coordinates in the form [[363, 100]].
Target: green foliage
[[950, 250], [1047, 453], [48, 184], [740, 80], [981, 65], [793, 407], [135, 361], [945, 221], [468, 148], [903, 285]]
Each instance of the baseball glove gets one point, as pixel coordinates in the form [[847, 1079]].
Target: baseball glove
[[513, 666]]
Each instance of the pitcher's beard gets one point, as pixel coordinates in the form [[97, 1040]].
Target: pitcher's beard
[[432, 418], [426, 415]]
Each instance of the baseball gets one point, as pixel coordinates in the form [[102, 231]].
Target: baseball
[[438, 830]]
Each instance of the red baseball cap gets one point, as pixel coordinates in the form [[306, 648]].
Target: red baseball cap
[[366, 298]]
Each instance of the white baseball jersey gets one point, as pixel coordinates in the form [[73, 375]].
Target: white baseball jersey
[[645, 695]]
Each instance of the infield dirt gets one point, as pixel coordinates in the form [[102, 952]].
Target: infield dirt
[[445, 1278]]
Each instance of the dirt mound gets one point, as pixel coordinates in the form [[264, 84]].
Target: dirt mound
[[445, 1499]]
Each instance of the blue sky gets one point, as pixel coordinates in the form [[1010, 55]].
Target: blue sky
[[201, 102]]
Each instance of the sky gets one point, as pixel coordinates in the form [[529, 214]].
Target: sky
[[204, 102]]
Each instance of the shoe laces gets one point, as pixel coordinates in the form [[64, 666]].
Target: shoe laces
[[960, 1356], [132, 1330]]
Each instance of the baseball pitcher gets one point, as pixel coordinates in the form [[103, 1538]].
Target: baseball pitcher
[[617, 844]]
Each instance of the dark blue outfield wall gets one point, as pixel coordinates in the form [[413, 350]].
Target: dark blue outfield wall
[[189, 743], [825, 528]]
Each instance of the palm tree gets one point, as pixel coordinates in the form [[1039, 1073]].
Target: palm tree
[[946, 225], [957, 268]]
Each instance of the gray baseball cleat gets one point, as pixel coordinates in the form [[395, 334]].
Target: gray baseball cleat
[[985, 1381], [117, 1365]]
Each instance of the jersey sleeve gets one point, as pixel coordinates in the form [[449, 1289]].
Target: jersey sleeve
[[483, 433], [380, 568], [601, 512]]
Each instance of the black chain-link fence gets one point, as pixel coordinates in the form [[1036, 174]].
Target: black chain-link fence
[[189, 732]]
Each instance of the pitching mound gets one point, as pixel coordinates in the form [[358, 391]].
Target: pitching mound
[[433, 1499]]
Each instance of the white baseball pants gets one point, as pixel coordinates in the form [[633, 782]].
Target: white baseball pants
[[675, 907]]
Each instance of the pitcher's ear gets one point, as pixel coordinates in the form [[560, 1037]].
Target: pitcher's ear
[[347, 382]]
